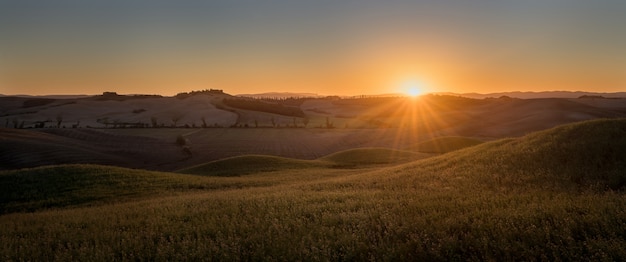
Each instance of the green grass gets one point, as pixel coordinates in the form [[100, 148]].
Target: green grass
[[552, 195], [446, 144], [74, 185], [254, 164], [248, 164], [371, 156]]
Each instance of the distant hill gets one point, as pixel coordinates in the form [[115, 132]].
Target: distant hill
[[279, 95], [546, 94], [49, 96]]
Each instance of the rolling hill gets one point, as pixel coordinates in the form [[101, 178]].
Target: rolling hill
[[254, 164], [360, 157], [30, 148], [550, 195], [248, 164], [139, 131], [586, 154], [445, 144]]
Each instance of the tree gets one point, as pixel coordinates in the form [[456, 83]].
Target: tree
[[104, 121], [187, 151], [59, 120], [180, 140], [184, 144], [329, 124], [176, 118], [305, 121]]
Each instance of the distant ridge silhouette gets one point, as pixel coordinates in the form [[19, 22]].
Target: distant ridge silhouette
[[543, 94]]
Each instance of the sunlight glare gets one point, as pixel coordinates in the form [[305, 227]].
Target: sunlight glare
[[413, 88], [414, 91]]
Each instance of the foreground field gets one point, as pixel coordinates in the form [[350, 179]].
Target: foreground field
[[551, 195]]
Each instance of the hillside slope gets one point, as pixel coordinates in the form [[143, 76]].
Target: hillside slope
[[555, 195], [516, 117], [40, 188], [445, 144], [590, 154], [22, 148], [253, 164], [40, 147], [360, 157], [248, 164]]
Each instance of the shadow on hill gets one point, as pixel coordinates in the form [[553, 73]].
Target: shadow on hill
[[44, 147], [32, 189]]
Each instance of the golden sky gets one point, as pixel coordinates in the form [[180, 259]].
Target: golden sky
[[326, 47]]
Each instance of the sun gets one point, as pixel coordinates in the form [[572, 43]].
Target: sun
[[412, 88], [413, 91]]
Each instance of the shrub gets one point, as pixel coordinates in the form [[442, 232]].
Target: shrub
[[181, 140]]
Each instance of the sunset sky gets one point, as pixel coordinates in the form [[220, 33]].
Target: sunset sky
[[328, 47]]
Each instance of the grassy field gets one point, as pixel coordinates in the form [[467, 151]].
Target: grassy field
[[551, 195]]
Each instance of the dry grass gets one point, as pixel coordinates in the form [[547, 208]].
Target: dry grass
[[553, 195]]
